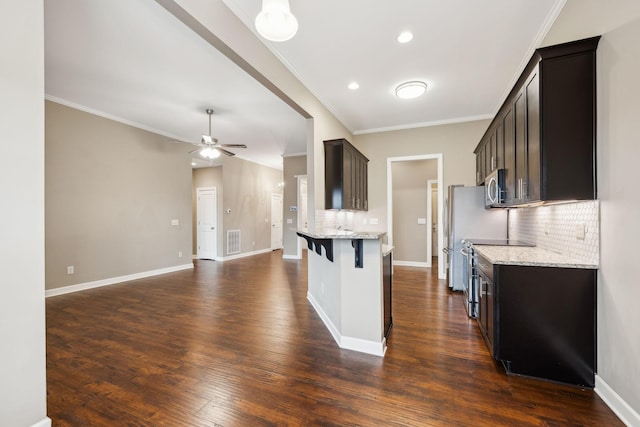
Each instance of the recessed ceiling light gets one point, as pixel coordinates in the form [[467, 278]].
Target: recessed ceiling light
[[405, 37], [353, 85], [410, 90]]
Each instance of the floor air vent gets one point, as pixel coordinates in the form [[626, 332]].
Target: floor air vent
[[233, 242]]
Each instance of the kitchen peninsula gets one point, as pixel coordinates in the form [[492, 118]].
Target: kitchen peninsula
[[350, 286]]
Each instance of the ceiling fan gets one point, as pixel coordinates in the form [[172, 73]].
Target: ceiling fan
[[209, 147]]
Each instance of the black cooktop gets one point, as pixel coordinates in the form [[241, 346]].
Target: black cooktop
[[498, 242]]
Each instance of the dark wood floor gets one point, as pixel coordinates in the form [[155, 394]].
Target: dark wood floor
[[237, 344]]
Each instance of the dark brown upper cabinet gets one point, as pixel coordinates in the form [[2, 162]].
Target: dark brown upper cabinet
[[345, 176], [544, 132]]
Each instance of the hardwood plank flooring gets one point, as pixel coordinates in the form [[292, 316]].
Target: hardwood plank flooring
[[237, 344]]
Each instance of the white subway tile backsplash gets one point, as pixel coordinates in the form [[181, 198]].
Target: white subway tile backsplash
[[572, 228]]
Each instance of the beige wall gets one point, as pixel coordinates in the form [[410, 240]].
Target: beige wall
[[111, 193], [410, 203], [293, 166], [455, 141], [618, 68], [207, 177], [248, 188]]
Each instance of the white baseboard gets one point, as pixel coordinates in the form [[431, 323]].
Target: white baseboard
[[348, 343], [411, 264], [112, 281], [243, 255], [285, 256], [46, 422], [622, 409]]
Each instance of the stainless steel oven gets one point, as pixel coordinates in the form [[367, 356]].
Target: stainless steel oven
[[470, 277]]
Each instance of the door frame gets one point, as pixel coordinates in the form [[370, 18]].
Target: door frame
[[430, 187], [299, 240], [438, 156], [198, 190]]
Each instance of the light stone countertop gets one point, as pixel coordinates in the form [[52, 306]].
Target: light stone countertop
[[532, 256], [386, 249], [343, 234]]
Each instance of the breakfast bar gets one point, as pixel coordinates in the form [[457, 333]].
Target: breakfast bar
[[350, 286]]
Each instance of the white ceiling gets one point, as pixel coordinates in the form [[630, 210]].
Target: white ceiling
[[133, 61]]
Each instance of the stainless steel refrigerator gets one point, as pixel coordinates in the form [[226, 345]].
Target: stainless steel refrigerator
[[467, 218]]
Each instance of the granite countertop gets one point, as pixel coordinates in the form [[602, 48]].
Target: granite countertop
[[343, 234], [386, 249], [532, 256]]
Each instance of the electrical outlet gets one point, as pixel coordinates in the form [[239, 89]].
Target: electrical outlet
[[365, 221], [373, 221], [580, 231], [70, 269], [179, 254]]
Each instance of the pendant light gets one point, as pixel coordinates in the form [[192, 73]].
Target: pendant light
[[275, 21]]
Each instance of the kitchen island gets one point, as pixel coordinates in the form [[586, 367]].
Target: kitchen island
[[350, 288]]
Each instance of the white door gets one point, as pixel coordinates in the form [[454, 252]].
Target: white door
[[207, 235], [276, 221]]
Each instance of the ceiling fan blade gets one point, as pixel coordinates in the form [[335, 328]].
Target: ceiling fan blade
[[233, 145], [223, 151]]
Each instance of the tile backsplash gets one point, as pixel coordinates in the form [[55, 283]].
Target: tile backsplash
[[571, 228], [332, 219]]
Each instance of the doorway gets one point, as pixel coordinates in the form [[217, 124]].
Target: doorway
[[440, 201], [276, 221], [207, 234]]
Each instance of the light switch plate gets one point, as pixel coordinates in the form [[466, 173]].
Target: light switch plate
[[175, 222], [373, 221], [422, 221], [289, 221]]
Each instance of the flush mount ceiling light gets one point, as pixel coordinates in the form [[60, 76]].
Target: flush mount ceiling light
[[405, 37], [275, 21], [353, 86], [410, 90]]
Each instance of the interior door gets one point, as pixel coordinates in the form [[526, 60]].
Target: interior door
[[276, 221], [207, 235]]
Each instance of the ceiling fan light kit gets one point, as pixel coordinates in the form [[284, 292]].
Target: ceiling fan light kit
[[275, 21], [409, 90], [209, 153]]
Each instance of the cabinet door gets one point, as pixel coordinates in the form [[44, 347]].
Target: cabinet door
[[499, 147], [348, 197], [532, 185], [479, 167], [489, 153], [509, 156], [520, 132]]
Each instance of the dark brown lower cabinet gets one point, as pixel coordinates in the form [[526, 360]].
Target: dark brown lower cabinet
[[541, 321], [387, 281]]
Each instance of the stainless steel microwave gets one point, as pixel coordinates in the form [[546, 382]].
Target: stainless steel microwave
[[494, 192]]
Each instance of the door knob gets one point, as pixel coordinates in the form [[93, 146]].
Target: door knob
[[213, 228]]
